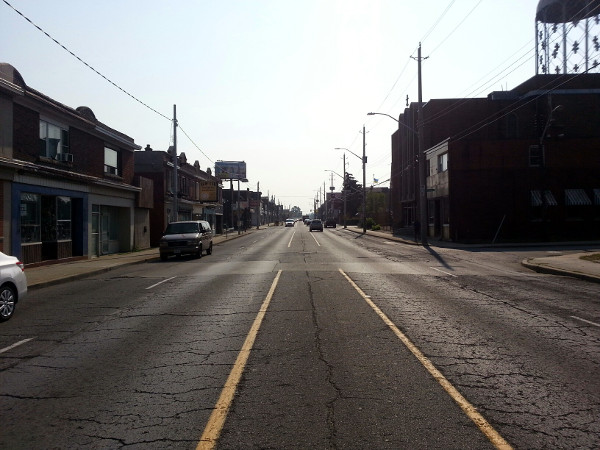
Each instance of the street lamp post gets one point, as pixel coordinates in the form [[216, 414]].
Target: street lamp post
[[364, 188], [343, 190], [422, 174]]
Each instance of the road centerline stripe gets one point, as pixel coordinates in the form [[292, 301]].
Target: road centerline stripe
[[16, 344], [291, 239], [446, 273], [160, 282], [471, 412], [313, 236], [215, 423], [586, 321]]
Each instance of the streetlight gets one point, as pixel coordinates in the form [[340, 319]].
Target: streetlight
[[364, 190], [243, 180], [422, 177], [343, 190]]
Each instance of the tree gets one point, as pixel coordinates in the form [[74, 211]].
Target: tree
[[353, 192]]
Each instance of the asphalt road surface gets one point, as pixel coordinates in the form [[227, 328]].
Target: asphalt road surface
[[289, 339]]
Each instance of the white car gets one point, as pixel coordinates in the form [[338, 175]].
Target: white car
[[290, 222], [13, 285]]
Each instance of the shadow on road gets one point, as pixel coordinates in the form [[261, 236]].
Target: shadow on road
[[439, 258]]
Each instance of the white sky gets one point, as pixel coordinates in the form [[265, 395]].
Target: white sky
[[275, 83]]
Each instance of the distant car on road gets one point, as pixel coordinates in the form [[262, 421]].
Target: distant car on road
[[307, 222], [186, 237], [316, 224], [13, 285], [290, 222], [330, 223]]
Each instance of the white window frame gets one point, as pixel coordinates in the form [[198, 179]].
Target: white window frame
[[62, 146], [112, 166]]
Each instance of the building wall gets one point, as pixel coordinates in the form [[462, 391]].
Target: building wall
[[26, 133], [6, 129], [88, 152], [2, 213]]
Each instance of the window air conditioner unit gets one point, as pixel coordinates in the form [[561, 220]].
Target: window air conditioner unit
[[65, 157]]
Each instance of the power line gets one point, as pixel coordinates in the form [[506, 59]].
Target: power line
[[103, 76], [438, 21], [83, 62], [199, 149], [443, 41]]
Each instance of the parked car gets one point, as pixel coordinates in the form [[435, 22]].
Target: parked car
[[330, 223], [316, 224], [13, 285], [290, 222], [186, 237]]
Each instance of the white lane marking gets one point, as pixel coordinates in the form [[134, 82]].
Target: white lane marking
[[486, 428], [290, 243], [451, 274], [160, 282], [586, 321], [10, 347], [313, 236]]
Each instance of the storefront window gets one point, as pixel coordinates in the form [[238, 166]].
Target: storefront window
[[63, 218], [30, 217]]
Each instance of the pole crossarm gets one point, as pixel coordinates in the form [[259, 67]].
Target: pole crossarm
[[394, 119]]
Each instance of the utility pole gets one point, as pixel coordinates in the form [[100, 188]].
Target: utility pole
[[422, 162], [344, 189], [175, 180], [324, 202], [364, 199], [259, 204]]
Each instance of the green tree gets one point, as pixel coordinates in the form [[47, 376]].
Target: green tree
[[353, 192]]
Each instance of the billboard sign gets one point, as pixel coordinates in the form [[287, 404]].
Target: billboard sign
[[230, 170]]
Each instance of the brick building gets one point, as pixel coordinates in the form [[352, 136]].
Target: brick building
[[199, 193], [518, 165], [66, 179]]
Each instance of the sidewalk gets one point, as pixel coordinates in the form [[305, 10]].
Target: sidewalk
[[47, 275], [568, 265]]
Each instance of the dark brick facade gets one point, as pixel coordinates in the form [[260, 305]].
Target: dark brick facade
[[26, 133], [490, 175]]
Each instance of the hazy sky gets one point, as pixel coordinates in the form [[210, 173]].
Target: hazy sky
[[275, 83]]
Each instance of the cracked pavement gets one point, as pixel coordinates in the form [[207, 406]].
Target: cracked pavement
[[114, 364]]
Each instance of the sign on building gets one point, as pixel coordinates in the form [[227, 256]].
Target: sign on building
[[208, 191]]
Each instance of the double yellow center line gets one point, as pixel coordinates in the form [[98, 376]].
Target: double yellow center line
[[215, 424]]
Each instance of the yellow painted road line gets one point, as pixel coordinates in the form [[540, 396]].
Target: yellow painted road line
[[215, 423], [471, 412], [290, 243]]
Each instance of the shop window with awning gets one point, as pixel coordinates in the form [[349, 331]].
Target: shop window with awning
[[597, 197], [538, 198], [576, 197]]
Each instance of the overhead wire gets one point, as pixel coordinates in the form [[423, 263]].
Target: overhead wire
[[102, 75], [507, 110]]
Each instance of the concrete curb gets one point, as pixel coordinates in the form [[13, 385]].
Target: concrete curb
[[114, 263], [542, 268]]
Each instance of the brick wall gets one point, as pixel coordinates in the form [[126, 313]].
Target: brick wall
[[26, 133], [1, 219], [127, 166], [88, 153]]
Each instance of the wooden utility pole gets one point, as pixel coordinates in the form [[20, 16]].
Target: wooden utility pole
[[422, 161], [344, 189], [175, 180], [364, 191]]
